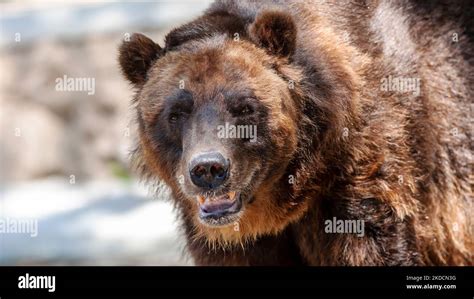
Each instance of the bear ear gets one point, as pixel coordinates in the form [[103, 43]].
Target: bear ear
[[136, 56], [274, 31]]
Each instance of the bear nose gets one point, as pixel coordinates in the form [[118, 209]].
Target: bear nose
[[209, 170]]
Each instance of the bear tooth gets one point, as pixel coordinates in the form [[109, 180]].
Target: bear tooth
[[201, 199], [231, 195]]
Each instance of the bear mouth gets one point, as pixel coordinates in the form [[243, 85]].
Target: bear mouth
[[220, 210]]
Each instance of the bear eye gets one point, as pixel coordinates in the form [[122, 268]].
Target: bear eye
[[246, 110], [178, 106], [174, 117], [242, 109]]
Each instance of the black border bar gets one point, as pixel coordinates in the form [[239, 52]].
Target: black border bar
[[257, 282]]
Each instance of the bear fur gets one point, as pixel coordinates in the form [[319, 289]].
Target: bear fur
[[364, 113]]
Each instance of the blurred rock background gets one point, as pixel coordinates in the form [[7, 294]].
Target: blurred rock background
[[64, 154]]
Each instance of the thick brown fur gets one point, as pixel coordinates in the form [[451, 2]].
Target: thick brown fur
[[401, 162]]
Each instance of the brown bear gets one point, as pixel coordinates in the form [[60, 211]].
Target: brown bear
[[312, 132]]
